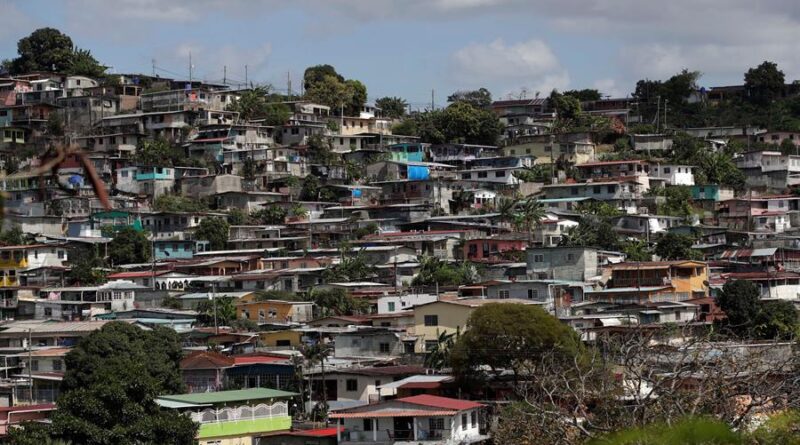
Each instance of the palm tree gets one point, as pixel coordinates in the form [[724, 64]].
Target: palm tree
[[507, 207], [317, 354], [533, 212], [439, 355]]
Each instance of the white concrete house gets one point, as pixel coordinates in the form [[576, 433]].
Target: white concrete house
[[422, 419]]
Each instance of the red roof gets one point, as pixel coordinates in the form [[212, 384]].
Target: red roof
[[393, 413], [41, 407], [254, 359], [440, 402], [206, 360], [319, 432]]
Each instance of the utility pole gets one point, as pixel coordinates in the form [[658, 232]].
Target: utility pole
[[30, 362], [153, 265], [433, 104], [153, 63], [288, 86], [225, 74], [666, 102], [245, 77], [214, 303], [658, 112], [190, 68]]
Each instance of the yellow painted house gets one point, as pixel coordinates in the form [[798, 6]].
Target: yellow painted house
[[16, 259], [653, 282], [273, 311], [446, 316], [280, 338]]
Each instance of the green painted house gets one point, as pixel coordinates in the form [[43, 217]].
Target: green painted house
[[234, 417]]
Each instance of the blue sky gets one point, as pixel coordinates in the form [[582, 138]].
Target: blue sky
[[408, 47]]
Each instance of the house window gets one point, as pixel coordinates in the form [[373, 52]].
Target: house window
[[482, 174], [430, 345], [666, 170], [465, 176], [464, 421], [596, 190], [473, 419], [391, 306], [351, 384], [384, 348], [431, 320], [56, 365], [538, 258], [503, 294], [367, 424], [436, 423], [532, 294], [499, 174], [570, 257], [34, 365], [48, 312]]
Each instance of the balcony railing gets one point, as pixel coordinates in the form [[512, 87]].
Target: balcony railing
[[262, 411]]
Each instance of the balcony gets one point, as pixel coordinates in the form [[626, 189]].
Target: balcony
[[242, 420]]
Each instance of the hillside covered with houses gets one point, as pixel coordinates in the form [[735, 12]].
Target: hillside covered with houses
[[235, 265]]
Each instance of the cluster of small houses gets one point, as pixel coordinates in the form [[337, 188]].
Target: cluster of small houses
[[433, 200]]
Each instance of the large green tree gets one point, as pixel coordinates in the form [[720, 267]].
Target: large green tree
[[480, 98], [675, 246], [108, 392], [129, 246], [393, 107], [317, 73], [764, 83], [504, 336], [48, 49], [215, 231], [750, 317]]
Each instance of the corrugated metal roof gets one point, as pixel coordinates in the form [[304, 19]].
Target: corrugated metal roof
[[392, 413], [239, 395]]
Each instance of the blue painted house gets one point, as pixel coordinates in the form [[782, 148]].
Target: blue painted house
[[408, 152], [174, 249], [711, 192]]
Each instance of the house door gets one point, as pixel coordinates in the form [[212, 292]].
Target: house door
[[403, 428]]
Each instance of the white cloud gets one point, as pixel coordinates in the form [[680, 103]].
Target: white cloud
[[608, 87], [504, 67]]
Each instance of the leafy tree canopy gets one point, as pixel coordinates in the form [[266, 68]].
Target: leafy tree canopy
[[129, 246], [325, 86], [749, 317], [215, 231], [393, 107], [108, 391], [585, 95], [480, 98], [337, 302], [177, 203], [506, 335], [48, 49], [254, 105], [764, 83], [675, 246]]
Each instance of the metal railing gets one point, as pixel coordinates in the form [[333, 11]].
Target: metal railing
[[262, 411]]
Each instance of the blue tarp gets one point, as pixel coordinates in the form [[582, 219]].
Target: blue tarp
[[356, 193], [416, 172]]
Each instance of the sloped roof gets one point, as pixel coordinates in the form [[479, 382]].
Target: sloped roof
[[206, 360], [440, 402], [240, 395]]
